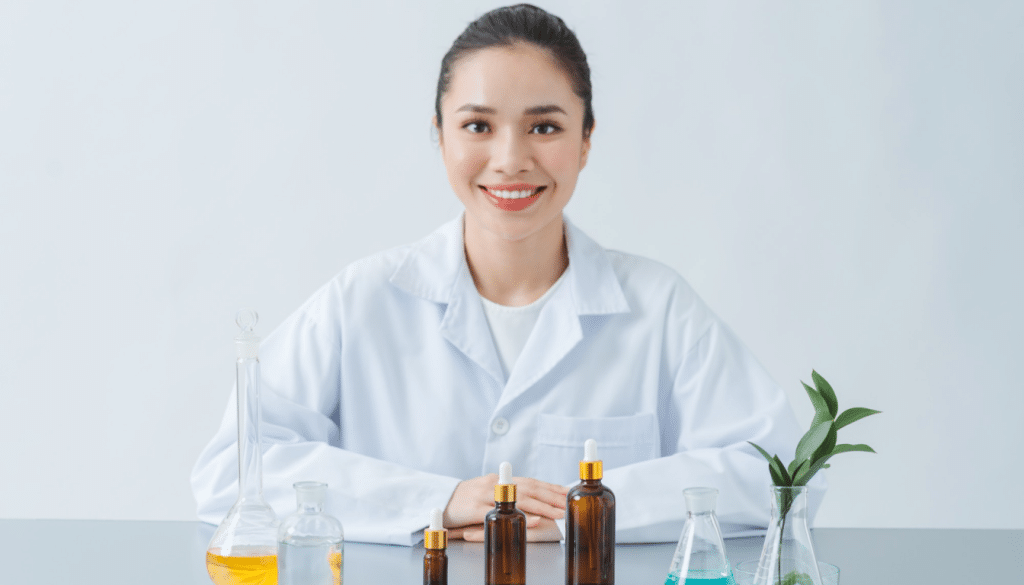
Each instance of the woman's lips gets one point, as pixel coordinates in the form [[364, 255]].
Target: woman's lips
[[513, 197]]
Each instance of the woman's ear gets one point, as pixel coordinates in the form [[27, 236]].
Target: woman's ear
[[437, 129], [586, 148]]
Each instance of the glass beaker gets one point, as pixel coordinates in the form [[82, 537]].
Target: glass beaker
[[700, 556], [243, 550], [310, 543], [788, 553]]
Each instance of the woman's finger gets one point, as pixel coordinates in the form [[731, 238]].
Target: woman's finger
[[539, 508]]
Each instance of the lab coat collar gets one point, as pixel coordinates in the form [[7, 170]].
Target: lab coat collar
[[435, 269]]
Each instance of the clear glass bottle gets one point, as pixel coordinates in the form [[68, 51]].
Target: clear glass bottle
[[788, 553], [505, 535], [243, 550], [700, 556], [590, 525], [310, 544]]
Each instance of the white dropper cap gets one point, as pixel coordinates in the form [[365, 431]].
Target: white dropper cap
[[700, 500], [436, 519], [247, 343], [590, 450], [505, 473]]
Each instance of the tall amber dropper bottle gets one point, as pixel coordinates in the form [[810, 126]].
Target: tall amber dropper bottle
[[435, 559], [590, 525], [505, 535]]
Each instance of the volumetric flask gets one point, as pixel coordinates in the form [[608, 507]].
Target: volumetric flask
[[309, 544], [700, 556], [243, 550]]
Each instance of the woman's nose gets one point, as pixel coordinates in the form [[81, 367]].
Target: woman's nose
[[511, 153]]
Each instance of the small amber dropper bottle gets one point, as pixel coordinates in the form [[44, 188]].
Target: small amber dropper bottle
[[590, 525], [505, 535], [435, 560]]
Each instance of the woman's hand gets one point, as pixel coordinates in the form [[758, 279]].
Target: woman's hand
[[473, 498], [543, 530]]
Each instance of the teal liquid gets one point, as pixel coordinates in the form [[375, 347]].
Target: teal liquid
[[701, 578]]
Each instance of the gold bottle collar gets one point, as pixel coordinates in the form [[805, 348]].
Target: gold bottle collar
[[505, 492], [435, 539], [591, 470]]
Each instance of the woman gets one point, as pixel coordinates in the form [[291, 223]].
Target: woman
[[508, 335]]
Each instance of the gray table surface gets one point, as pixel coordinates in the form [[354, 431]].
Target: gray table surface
[[114, 552]]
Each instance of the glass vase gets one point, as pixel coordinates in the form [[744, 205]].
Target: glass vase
[[788, 555]]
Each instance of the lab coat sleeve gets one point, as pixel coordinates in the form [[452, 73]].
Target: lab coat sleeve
[[720, 399], [376, 501]]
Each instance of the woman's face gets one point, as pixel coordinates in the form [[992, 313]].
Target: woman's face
[[512, 140]]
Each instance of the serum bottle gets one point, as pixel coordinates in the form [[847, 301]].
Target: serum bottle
[[435, 559], [505, 535], [590, 525]]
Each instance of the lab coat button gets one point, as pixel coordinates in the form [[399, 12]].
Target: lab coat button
[[499, 426]]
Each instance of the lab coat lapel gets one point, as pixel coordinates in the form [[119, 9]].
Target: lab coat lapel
[[590, 288], [435, 269]]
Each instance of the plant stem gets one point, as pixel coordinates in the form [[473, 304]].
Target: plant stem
[[782, 534]]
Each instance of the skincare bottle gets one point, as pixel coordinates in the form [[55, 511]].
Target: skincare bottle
[[590, 525], [435, 559], [505, 535]]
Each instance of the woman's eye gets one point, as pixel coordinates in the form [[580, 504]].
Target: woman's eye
[[477, 127], [545, 128]]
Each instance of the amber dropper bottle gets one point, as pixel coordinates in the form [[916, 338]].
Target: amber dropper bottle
[[505, 535], [590, 525], [435, 560]]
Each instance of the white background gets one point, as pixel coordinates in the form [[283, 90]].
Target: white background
[[841, 181]]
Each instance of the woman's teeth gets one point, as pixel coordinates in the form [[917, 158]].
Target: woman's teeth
[[511, 194]]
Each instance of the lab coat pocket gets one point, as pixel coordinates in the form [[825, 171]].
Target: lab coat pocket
[[621, 440]]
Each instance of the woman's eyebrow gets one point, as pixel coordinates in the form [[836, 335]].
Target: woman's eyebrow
[[541, 110], [534, 111], [477, 108]]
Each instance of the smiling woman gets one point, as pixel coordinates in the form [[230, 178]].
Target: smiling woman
[[508, 335]]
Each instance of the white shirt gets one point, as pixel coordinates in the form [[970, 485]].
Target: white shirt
[[386, 385], [511, 326]]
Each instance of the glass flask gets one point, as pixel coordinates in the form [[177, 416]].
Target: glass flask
[[243, 550], [310, 543], [788, 553], [700, 556]]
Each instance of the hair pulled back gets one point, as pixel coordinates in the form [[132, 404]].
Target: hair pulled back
[[503, 27]]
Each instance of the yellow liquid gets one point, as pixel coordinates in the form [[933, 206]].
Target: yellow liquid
[[260, 568], [335, 559]]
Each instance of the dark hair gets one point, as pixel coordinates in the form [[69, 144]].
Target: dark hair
[[503, 27]]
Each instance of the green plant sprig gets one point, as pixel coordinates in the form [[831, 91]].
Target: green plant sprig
[[819, 443]]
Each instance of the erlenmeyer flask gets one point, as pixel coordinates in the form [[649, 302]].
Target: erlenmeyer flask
[[788, 552], [700, 556], [243, 550]]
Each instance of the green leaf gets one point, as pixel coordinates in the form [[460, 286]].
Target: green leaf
[[762, 451], [844, 448], [774, 467], [812, 440], [783, 472], [776, 477], [825, 389], [794, 578], [828, 445], [853, 415], [821, 413], [808, 472], [795, 466]]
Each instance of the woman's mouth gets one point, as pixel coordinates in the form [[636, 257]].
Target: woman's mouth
[[515, 197]]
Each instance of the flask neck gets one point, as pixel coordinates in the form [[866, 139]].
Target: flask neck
[[790, 502], [250, 453], [506, 507]]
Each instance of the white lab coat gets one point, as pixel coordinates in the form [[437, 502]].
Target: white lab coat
[[387, 386]]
